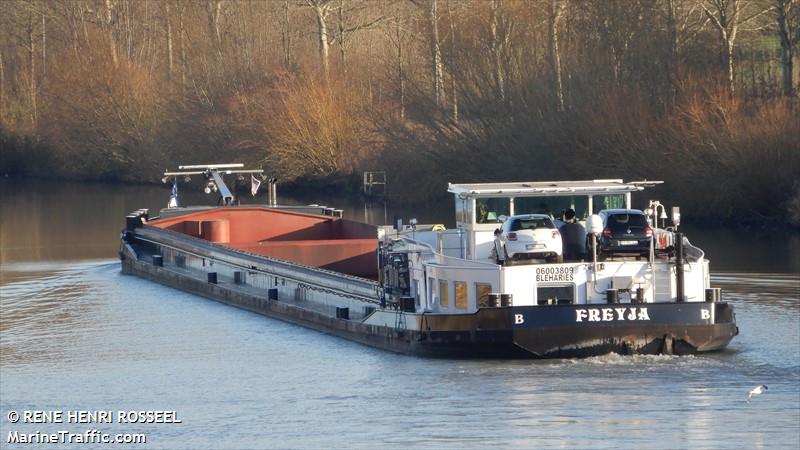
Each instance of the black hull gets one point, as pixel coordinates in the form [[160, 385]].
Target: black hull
[[491, 332]]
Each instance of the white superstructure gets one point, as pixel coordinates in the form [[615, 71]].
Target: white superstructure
[[451, 271]]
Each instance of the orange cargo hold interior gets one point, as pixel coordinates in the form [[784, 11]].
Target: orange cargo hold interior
[[317, 241]]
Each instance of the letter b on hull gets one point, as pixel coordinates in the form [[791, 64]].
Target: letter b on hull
[[519, 319]]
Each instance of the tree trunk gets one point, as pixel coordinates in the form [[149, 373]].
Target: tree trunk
[[110, 29], [44, 46], [438, 83], [72, 21], [32, 62], [170, 61], [341, 36], [83, 26], [727, 24], [556, 11], [286, 38], [182, 37], [729, 64], [214, 8], [673, 72], [2, 89], [782, 7], [453, 87], [128, 33], [324, 45], [400, 73], [499, 78]]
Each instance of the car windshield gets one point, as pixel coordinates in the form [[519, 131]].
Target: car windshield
[[626, 221], [532, 223]]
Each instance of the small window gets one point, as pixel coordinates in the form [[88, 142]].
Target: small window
[[482, 291], [443, 294], [555, 295], [461, 294], [612, 201], [489, 210]]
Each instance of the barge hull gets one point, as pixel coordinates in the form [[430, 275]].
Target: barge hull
[[489, 333]]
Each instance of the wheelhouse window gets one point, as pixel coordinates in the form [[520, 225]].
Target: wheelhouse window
[[555, 295], [614, 201], [443, 294], [482, 291], [488, 210], [554, 206], [461, 294]]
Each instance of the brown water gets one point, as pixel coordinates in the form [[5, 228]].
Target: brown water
[[75, 334]]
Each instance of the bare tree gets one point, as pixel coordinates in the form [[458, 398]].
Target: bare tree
[[214, 11], [170, 65], [728, 17], [286, 37], [453, 87], [321, 9], [496, 49], [112, 42], [398, 36], [182, 37], [32, 71], [436, 57], [350, 21], [787, 16], [2, 88], [556, 11]]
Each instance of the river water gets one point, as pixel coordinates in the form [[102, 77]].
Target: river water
[[75, 334]]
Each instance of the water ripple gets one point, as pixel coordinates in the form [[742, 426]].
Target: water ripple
[[85, 336]]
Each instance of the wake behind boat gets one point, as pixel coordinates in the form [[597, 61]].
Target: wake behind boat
[[495, 286]]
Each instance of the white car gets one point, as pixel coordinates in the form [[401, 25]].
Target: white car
[[529, 236]]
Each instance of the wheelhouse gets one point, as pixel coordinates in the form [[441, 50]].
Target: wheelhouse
[[481, 206]]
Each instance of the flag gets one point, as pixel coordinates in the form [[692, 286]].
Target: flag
[[254, 185], [173, 196]]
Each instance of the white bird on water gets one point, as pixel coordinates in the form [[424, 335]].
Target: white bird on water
[[758, 390]]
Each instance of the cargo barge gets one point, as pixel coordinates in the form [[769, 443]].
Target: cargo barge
[[432, 291]]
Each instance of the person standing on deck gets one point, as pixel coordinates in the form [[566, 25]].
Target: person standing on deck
[[498, 249], [573, 237]]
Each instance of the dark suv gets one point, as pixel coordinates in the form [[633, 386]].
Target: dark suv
[[625, 231]]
